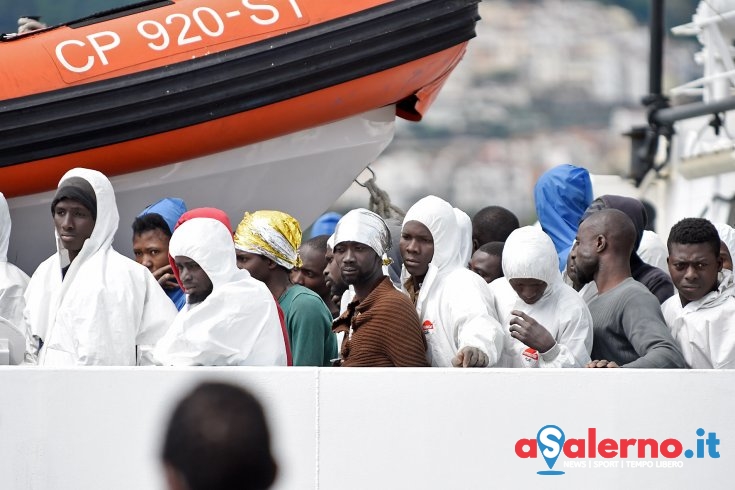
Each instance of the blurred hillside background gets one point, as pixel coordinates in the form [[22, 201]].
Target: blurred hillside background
[[545, 82]]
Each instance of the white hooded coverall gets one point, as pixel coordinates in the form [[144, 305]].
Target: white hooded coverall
[[454, 303], [464, 224], [105, 308], [727, 236], [705, 329], [13, 281], [530, 254], [237, 324]]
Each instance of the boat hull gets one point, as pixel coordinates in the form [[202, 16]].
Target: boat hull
[[301, 173], [127, 117]]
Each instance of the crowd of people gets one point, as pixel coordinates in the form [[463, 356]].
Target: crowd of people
[[436, 289]]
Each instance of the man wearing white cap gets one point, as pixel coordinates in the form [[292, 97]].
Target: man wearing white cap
[[380, 326], [453, 303], [230, 319]]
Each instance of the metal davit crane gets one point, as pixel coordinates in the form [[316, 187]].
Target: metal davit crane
[[689, 148]]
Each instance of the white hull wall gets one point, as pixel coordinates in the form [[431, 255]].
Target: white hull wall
[[336, 429]]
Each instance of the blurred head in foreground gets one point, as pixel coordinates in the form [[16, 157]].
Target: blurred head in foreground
[[218, 439]]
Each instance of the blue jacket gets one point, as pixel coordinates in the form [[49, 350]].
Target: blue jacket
[[562, 194]]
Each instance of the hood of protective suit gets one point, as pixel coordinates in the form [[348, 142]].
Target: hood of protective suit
[[561, 195], [169, 208], [727, 284], [209, 244], [4, 228], [652, 250], [438, 216], [107, 220], [529, 254], [726, 232], [213, 213], [464, 224], [633, 208]]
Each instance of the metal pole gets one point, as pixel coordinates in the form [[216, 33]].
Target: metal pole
[[657, 47], [670, 115]]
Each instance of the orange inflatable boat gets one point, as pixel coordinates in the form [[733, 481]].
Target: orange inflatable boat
[[167, 81]]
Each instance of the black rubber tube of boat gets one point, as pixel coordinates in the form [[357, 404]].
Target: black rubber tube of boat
[[255, 75]]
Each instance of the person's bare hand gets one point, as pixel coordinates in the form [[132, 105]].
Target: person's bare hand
[[165, 277], [602, 364], [530, 332], [470, 357]]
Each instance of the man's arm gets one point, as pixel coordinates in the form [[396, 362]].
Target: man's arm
[[574, 337], [158, 312], [552, 353], [647, 332], [472, 319]]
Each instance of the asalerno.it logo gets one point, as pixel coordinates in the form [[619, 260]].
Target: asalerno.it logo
[[595, 452]]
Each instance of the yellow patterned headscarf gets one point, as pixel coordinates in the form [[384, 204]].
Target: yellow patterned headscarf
[[273, 234]]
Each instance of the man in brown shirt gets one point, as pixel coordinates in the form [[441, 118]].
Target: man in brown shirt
[[381, 326]]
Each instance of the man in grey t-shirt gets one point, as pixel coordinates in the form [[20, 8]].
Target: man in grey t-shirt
[[629, 329]]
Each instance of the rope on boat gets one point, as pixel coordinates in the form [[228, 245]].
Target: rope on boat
[[380, 203]]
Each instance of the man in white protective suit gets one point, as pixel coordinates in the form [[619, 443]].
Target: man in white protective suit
[[546, 323], [453, 303], [13, 281], [701, 315], [230, 318], [87, 304]]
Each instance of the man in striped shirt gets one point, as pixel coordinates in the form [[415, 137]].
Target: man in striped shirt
[[381, 327]]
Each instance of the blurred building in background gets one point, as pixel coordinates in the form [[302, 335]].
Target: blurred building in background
[[544, 83]]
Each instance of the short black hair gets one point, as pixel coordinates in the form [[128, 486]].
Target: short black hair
[[692, 231], [149, 222], [494, 224], [318, 243], [218, 439], [492, 248]]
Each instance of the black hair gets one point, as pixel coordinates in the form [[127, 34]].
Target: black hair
[[318, 243], [493, 224], [492, 248], [218, 439], [149, 222], [693, 231]]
